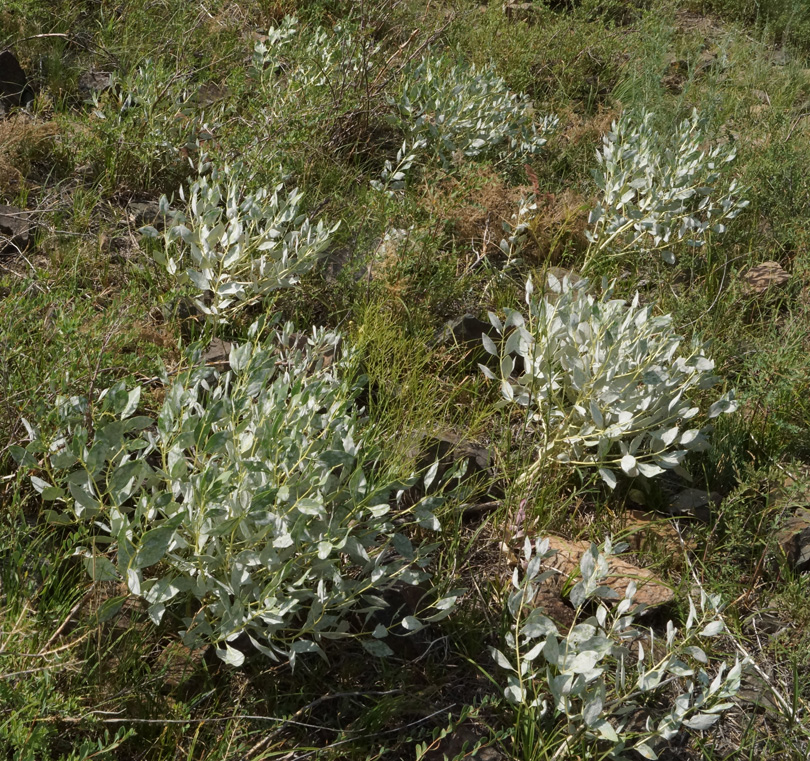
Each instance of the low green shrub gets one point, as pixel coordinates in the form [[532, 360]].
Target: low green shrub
[[602, 381], [235, 247], [580, 686], [256, 506], [462, 111], [655, 191]]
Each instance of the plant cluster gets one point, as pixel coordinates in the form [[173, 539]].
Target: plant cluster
[[257, 498], [313, 61], [656, 190], [460, 110], [235, 247], [588, 685], [602, 381], [146, 118]]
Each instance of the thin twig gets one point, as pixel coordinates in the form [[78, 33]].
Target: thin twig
[[48, 34], [70, 615], [265, 740], [14, 628], [795, 124], [375, 734]]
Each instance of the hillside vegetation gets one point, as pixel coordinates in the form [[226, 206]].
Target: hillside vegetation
[[416, 379]]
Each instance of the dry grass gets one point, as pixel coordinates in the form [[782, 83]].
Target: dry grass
[[23, 141]]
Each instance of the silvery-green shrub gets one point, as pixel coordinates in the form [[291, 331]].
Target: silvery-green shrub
[[459, 109], [392, 177], [256, 506], [656, 190], [313, 61], [608, 685], [234, 247], [605, 384], [146, 116]]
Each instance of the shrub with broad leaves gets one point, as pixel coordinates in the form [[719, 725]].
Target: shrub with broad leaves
[[460, 109], [608, 685], [655, 190], [235, 247], [312, 61], [605, 383], [256, 506]]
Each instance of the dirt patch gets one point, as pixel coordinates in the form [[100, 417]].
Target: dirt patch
[[577, 128], [689, 22], [558, 229], [477, 220]]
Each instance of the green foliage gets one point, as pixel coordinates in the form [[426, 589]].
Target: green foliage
[[584, 681], [317, 108], [260, 496], [142, 122], [783, 21], [236, 247], [462, 112], [656, 191], [314, 62], [602, 382]]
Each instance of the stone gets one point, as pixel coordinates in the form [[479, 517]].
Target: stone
[[765, 277], [520, 11], [209, 93], [217, 354], [143, 213], [694, 502], [15, 230], [651, 590], [449, 448], [14, 88], [93, 83], [465, 331], [337, 260], [794, 539]]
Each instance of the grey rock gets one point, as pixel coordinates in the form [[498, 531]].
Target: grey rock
[[14, 88], [448, 448], [142, 213], [94, 82], [694, 502], [336, 261], [794, 539], [466, 331], [209, 93], [217, 354], [15, 229], [520, 11]]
